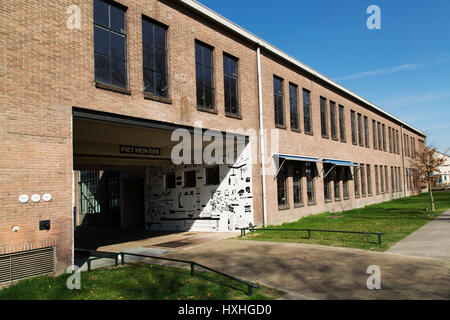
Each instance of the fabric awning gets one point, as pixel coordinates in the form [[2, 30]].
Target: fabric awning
[[343, 163], [296, 157]]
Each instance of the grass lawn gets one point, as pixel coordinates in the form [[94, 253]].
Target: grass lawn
[[136, 282], [396, 218]]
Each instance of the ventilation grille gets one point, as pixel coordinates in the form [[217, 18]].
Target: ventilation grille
[[20, 265]]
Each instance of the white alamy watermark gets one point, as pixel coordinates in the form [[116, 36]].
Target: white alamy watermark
[[74, 19], [374, 20], [202, 146], [74, 281], [374, 281]]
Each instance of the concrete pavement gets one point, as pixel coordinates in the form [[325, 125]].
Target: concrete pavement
[[432, 240], [320, 272]]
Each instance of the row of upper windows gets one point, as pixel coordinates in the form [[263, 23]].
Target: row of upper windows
[[332, 121], [280, 120], [110, 52], [360, 134]]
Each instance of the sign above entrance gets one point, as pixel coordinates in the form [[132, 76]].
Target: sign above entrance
[[140, 150]]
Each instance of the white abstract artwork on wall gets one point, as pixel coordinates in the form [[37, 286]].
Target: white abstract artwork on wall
[[223, 206]]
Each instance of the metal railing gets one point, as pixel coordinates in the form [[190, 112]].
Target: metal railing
[[115, 255], [379, 234]]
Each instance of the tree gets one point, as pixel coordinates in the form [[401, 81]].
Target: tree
[[426, 165]]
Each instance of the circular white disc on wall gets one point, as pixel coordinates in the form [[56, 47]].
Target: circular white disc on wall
[[35, 197], [47, 197], [23, 198]]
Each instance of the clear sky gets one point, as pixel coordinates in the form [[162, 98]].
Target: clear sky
[[403, 68]]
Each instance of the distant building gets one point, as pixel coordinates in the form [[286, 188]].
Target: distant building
[[444, 172]]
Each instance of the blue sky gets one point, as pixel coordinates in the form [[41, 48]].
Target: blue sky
[[403, 68]]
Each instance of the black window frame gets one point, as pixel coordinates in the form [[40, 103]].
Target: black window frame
[[369, 179], [216, 180], [327, 190], [202, 86], [186, 179], [293, 107], [360, 130], [282, 185], [149, 92], [324, 118], [342, 135], [98, 55], [333, 122], [353, 127], [233, 78], [170, 184], [307, 112], [356, 182], [374, 134], [278, 102], [366, 132], [297, 187]]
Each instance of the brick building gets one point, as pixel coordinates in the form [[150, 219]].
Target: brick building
[[88, 113]]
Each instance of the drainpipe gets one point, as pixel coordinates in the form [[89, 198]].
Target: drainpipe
[[261, 137], [403, 162]]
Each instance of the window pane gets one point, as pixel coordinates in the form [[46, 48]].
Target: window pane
[[148, 60], [293, 106], [118, 73], [333, 120], [226, 68], [160, 60], [149, 85], [198, 53], [207, 57], [212, 176], [101, 13], [118, 46], [323, 117], [102, 68], [200, 96], [101, 39], [147, 33], [160, 37], [117, 19], [207, 81], [199, 74], [227, 93], [233, 70], [189, 179], [208, 98], [234, 95], [170, 181]]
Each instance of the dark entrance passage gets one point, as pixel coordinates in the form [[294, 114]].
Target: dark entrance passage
[[98, 197]]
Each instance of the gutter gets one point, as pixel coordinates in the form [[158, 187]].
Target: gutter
[[261, 137]]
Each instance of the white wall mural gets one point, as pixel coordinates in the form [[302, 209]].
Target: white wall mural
[[222, 207]]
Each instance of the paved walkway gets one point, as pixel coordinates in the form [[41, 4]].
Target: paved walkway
[[432, 240], [319, 272]]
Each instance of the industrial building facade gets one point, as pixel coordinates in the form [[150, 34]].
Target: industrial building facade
[[88, 118]]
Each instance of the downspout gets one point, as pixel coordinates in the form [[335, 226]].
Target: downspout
[[261, 137], [403, 161]]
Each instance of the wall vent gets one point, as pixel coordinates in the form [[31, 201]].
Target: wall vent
[[24, 264]]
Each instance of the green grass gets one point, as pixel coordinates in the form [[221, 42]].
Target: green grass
[[396, 218], [136, 282]]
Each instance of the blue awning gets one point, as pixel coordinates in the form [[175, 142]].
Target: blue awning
[[296, 158], [343, 163]]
